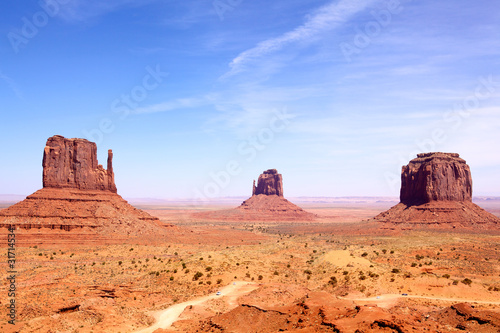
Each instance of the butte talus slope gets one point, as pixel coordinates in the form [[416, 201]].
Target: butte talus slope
[[78, 195], [267, 203], [436, 191]]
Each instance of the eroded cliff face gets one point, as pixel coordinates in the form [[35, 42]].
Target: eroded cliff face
[[435, 177], [270, 182], [436, 191], [72, 163], [78, 193]]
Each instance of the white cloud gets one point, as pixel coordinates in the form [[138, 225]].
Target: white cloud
[[326, 18], [11, 84], [176, 104]]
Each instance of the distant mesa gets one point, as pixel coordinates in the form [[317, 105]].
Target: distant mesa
[[78, 193], [436, 190], [266, 204]]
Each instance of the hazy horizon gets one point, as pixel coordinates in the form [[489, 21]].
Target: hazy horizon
[[197, 99]]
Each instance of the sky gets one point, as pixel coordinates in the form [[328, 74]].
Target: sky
[[196, 98]]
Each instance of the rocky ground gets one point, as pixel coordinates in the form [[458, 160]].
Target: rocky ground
[[325, 275]]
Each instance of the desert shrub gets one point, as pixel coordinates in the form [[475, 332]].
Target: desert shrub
[[467, 281], [208, 269], [333, 281], [308, 272], [219, 281], [455, 282], [413, 264], [446, 276], [345, 272], [384, 251], [395, 271], [197, 276], [364, 254], [260, 277], [171, 278], [276, 273]]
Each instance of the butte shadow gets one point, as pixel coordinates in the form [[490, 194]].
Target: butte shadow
[[267, 203], [436, 192], [79, 197]]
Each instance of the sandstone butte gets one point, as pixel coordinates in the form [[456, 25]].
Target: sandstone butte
[[267, 203], [436, 191], [78, 196]]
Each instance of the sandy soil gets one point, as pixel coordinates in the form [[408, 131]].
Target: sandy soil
[[96, 287]]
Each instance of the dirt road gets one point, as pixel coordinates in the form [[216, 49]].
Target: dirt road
[[165, 318]]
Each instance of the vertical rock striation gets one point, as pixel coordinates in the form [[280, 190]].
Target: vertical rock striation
[[435, 177], [270, 182], [72, 163], [436, 191]]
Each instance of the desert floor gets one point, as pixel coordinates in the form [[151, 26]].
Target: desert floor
[[63, 287]]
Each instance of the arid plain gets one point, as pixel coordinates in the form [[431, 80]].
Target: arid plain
[[408, 279]]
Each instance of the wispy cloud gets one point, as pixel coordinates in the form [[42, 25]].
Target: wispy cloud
[[325, 19], [76, 11], [176, 104], [11, 84]]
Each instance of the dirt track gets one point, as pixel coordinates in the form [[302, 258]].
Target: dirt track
[[230, 293]]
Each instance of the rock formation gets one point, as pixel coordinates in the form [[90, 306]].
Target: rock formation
[[266, 204], [435, 177], [436, 190], [270, 183], [78, 193], [72, 163]]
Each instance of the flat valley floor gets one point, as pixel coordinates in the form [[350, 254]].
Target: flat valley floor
[[265, 271]]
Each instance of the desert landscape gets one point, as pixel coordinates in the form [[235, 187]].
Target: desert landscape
[[88, 261]]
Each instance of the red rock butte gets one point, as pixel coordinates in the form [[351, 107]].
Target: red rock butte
[[78, 194], [436, 190], [266, 204]]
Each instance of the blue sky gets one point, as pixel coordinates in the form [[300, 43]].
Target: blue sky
[[197, 98]]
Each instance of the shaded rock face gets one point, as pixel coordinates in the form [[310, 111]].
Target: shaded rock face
[[72, 163], [269, 183], [435, 177]]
